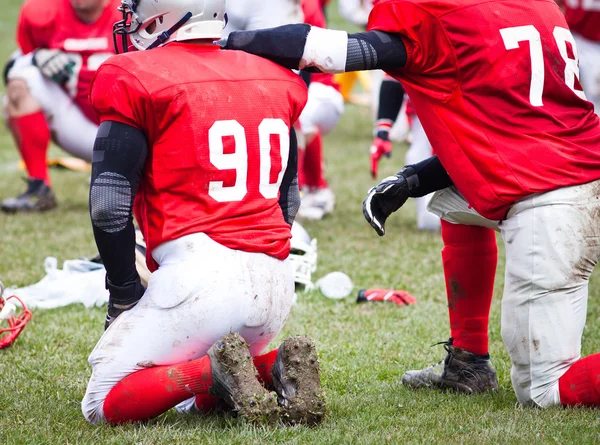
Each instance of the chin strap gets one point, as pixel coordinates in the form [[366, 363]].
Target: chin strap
[[163, 37]]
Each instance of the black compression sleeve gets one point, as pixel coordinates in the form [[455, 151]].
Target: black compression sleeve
[[375, 50], [289, 193], [391, 97], [120, 152], [426, 177]]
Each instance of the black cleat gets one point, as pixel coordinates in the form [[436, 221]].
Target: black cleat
[[461, 370], [297, 380], [37, 198], [235, 381]]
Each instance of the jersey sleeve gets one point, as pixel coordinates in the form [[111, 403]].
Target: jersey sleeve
[[117, 95], [423, 41], [35, 25], [298, 96]]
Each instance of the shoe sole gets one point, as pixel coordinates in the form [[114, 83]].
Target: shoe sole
[[235, 381], [297, 379]]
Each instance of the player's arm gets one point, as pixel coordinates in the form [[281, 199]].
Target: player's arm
[[120, 152], [413, 181], [289, 192], [302, 46]]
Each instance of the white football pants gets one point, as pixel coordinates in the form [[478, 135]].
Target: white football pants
[[201, 292], [260, 14], [552, 245], [420, 149], [589, 68], [70, 129], [324, 109]]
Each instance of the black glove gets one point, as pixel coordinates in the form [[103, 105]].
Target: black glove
[[384, 199], [54, 64], [122, 298]]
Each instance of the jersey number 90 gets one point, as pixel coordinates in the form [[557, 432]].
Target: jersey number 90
[[238, 160]]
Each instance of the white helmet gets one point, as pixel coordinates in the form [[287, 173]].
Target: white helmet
[[152, 23], [303, 256]]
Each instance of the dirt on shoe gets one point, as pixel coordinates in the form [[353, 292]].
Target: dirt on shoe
[[297, 380], [235, 381]]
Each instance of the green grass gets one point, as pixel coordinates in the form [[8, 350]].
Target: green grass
[[364, 349]]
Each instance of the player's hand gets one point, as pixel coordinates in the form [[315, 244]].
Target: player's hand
[[122, 298], [54, 64], [379, 148], [383, 200]]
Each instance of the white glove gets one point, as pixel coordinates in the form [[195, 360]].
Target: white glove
[[54, 65]]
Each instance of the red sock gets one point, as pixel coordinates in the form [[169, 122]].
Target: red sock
[[148, 393], [580, 385], [314, 163], [263, 363], [470, 257], [32, 136]]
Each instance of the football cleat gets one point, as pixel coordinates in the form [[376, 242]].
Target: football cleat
[[399, 297], [460, 370], [16, 322], [235, 381], [37, 198], [297, 380], [379, 148]]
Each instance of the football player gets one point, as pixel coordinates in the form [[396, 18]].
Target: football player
[[62, 43], [213, 180], [495, 84]]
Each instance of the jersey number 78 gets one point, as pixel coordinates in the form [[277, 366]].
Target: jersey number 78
[[513, 36]]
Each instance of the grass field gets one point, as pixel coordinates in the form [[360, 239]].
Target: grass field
[[364, 349]]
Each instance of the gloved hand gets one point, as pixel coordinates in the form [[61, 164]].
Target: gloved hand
[[54, 64], [384, 199], [122, 298], [379, 148]]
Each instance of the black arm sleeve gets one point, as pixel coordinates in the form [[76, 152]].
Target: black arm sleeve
[[286, 44], [426, 177], [375, 50], [120, 152], [289, 193]]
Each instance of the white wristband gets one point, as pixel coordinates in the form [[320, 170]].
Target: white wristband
[[325, 49]]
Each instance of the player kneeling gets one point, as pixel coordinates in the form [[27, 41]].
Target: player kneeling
[[214, 182]]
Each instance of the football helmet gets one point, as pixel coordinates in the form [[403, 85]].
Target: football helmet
[[152, 23], [16, 322], [303, 256]]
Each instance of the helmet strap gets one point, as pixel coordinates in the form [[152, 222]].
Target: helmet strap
[[164, 36]]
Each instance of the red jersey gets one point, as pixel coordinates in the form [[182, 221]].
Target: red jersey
[[314, 16], [218, 125], [53, 24], [495, 85], [583, 17]]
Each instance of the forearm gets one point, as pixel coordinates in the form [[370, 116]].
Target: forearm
[[426, 177], [302, 46], [289, 193], [119, 155]]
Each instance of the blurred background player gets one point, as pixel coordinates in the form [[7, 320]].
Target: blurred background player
[[321, 115], [213, 180], [325, 103], [583, 17], [62, 43]]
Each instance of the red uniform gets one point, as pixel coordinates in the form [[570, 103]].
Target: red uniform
[[583, 17], [217, 123], [53, 24], [501, 101], [313, 15]]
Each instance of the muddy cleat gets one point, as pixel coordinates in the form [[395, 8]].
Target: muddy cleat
[[297, 380], [235, 381], [461, 370], [37, 198]]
